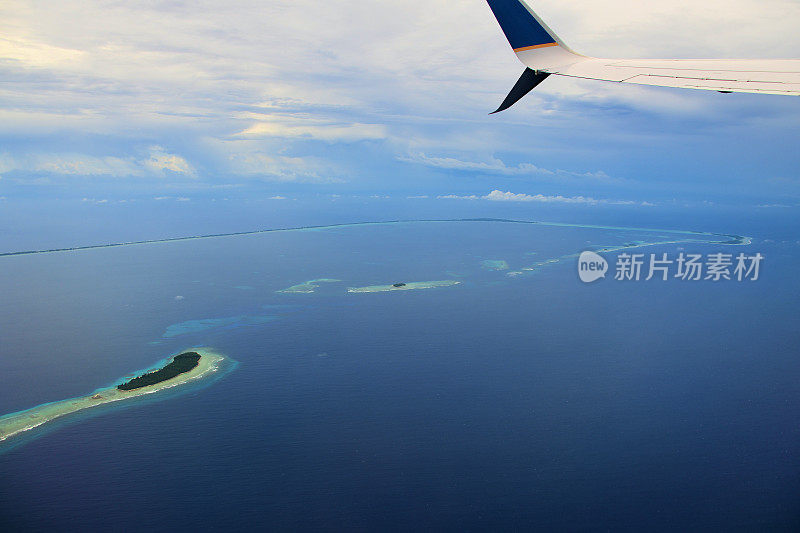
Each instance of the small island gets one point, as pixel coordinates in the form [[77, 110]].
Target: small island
[[186, 367], [495, 264], [307, 287], [410, 286]]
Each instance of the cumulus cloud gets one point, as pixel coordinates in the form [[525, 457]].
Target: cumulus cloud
[[457, 197], [508, 196], [161, 160]]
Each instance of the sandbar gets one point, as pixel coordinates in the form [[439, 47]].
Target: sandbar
[[307, 286]]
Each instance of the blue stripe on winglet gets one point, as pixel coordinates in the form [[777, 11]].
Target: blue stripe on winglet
[[521, 29]]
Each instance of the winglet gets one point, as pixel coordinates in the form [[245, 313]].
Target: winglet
[[536, 46], [525, 84], [523, 29]]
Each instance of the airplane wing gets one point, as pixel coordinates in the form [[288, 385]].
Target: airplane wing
[[544, 54]]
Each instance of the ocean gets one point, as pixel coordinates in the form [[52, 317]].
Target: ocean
[[515, 399]]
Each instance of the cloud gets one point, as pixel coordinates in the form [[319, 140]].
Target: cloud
[[161, 160], [507, 196], [681, 28], [501, 196], [308, 127], [167, 61], [82, 165], [77, 164], [30, 53], [283, 168], [494, 165], [281, 95], [69, 164], [457, 197]]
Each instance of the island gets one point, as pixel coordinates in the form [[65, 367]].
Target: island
[[307, 286], [186, 367], [495, 264], [410, 286]]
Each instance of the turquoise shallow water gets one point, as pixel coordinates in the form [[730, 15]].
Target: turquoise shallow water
[[203, 324], [500, 402]]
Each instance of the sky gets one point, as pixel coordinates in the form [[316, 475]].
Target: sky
[[172, 101]]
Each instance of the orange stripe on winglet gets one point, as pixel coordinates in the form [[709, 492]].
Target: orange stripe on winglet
[[545, 45]]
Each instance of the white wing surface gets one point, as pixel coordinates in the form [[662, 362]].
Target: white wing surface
[[544, 54], [769, 76]]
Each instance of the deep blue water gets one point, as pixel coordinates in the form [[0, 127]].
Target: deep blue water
[[501, 403]]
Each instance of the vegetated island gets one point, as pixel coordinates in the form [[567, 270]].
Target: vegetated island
[[183, 368], [410, 286]]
